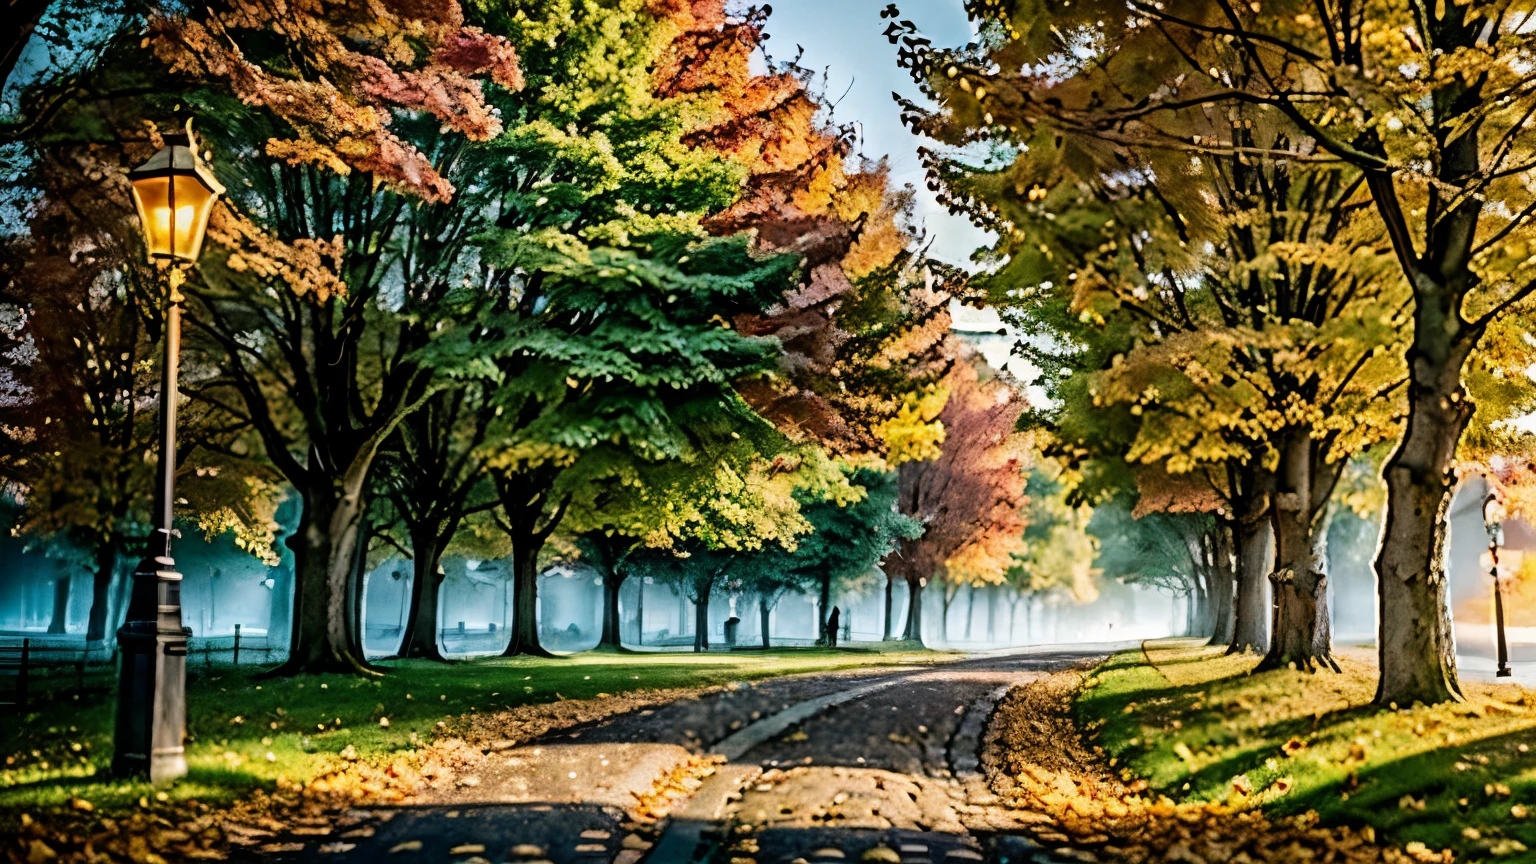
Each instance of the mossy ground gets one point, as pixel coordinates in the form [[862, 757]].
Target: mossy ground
[[246, 732], [1199, 725]]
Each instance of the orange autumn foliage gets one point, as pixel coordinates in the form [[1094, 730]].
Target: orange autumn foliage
[[847, 223], [348, 66]]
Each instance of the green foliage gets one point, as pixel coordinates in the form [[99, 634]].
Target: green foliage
[[845, 529], [1058, 554], [1159, 550], [615, 362], [846, 540]]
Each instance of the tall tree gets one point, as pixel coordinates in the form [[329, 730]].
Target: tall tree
[[80, 335], [433, 477], [1239, 614], [1169, 552], [324, 276], [734, 491], [970, 500], [731, 522], [863, 333], [606, 360]]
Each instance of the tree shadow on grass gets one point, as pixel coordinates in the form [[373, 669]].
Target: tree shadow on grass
[[108, 792], [1419, 797], [1211, 654], [1452, 795]]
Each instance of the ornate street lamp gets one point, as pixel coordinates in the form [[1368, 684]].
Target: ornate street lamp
[[173, 193], [1493, 521]]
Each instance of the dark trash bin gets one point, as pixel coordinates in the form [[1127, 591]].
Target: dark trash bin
[[731, 624]]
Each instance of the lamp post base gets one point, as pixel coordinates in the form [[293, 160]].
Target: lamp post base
[[151, 696]]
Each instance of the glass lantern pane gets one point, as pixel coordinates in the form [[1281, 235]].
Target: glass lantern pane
[[177, 233], [189, 232]]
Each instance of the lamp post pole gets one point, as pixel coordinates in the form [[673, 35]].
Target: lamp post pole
[[151, 693], [1493, 521], [151, 707]]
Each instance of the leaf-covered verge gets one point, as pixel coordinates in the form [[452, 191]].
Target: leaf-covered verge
[[265, 755], [1201, 727]]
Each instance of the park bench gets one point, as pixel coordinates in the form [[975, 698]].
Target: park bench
[[15, 661]]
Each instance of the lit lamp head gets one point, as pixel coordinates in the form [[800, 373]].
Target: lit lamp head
[[174, 193]]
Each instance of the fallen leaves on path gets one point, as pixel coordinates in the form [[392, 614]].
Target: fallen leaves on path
[[331, 802], [674, 787], [1039, 762]]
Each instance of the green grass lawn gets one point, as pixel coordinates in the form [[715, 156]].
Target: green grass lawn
[[62, 750], [1198, 726]]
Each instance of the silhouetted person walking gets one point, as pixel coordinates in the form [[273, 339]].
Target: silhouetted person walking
[[832, 628]]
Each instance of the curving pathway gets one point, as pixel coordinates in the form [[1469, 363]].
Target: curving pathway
[[879, 766]]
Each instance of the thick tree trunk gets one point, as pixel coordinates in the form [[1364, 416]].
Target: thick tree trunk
[[421, 630], [101, 588], [890, 583], [824, 608], [914, 628], [1223, 586], [357, 591], [1202, 607], [970, 610], [1250, 627], [701, 618], [324, 547], [525, 600], [992, 613], [764, 610], [60, 618], [1415, 643], [1300, 635], [640, 612], [613, 580]]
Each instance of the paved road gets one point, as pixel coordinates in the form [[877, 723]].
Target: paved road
[[878, 765], [892, 776]]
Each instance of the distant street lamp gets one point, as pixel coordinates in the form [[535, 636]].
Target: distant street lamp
[[1493, 521], [174, 193]]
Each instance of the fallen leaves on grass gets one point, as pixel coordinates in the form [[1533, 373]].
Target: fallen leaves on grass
[[1039, 761], [161, 830]]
